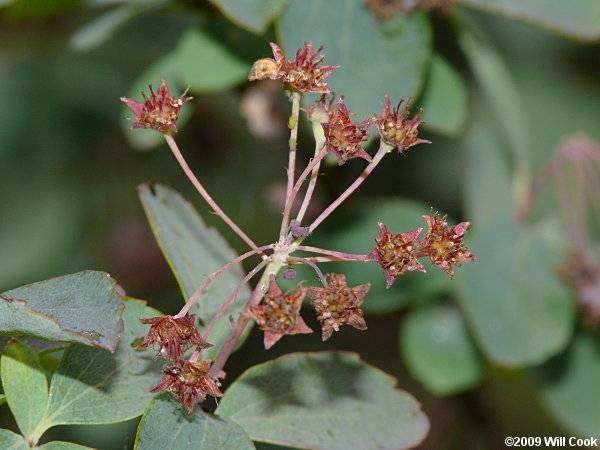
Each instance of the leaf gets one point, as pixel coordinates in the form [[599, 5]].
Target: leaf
[[399, 215], [578, 19], [253, 15], [194, 251], [60, 445], [438, 350], [162, 69], [2, 399], [444, 101], [37, 9], [377, 58], [83, 307], [99, 30], [324, 400], [519, 311], [570, 386], [216, 56], [12, 441], [25, 385], [166, 424], [92, 386]]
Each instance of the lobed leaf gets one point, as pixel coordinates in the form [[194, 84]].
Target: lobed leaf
[[166, 424], [83, 307], [438, 350], [92, 386], [254, 15], [194, 251], [325, 400], [578, 19], [376, 58], [25, 385]]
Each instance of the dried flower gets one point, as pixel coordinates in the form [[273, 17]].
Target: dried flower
[[175, 335], [303, 73], [443, 244], [396, 130], [190, 381], [159, 112], [343, 137], [395, 253], [322, 109], [583, 273], [337, 304], [279, 314]]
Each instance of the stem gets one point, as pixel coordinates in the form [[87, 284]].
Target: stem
[[181, 160], [293, 143], [381, 152], [233, 296], [288, 205], [310, 264], [319, 143], [259, 292], [214, 275], [339, 255]]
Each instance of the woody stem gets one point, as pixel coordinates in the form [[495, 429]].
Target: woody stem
[[214, 275], [383, 150], [186, 169]]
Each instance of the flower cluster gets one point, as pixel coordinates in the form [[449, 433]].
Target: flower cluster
[[189, 380], [397, 253], [159, 112]]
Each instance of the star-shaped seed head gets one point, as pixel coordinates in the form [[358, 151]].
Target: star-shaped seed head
[[190, 381], [279, 314], [174, 335], [443, 244], [158, 112], [338, 304], [396, 129], [302, 73], [395, 253]]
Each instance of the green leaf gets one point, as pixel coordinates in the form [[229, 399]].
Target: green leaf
[[439, 351], [166, 424], [578, 19], [324, 401], [60, 445], [519, 311], [399, 215], [91, 386], [12, 441], [162, 69], [99, 30], [216, 56], [83, 307], [377, 58], [570, 386], [254, 15], [2, 399], [25, 385], [35, 9], [194, 251], [445, 98]]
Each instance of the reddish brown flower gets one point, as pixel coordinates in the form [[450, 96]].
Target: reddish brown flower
[[443, 244], [321, 110], [190, 382], [337, 304], [583, 273], [343, 137], [395, 253], [303, 73], [396, 130], [159, 112], [175, 335], [279, 314]]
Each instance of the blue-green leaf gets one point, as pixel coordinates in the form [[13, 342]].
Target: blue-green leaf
[[254, 15], [12, 441], [25, 385], [83, 307], [324, 401], [166, 424]]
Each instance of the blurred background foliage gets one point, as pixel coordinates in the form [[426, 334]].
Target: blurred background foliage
[[499, 351]]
